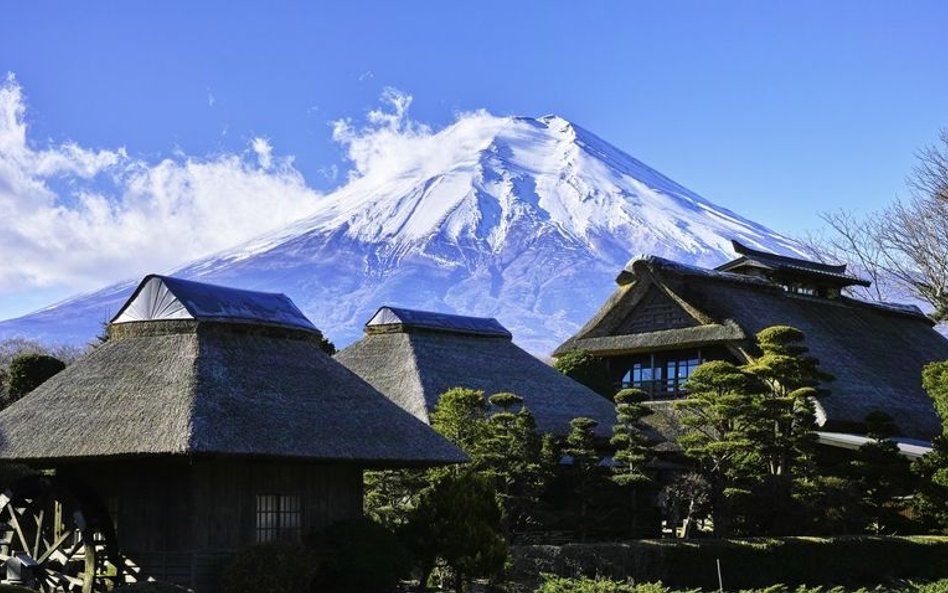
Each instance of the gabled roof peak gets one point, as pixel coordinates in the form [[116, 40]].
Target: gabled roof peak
[[399, 318], [784, 267], [162, 298]]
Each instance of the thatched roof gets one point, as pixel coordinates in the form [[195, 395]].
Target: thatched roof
[[414, 363], [205, 387], [875, 351]]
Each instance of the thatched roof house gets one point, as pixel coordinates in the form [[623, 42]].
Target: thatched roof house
[[665, 318], [194, 369], [211, 419], [414, 356]]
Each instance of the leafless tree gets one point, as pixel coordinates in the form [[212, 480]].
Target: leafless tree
[[903, 248]]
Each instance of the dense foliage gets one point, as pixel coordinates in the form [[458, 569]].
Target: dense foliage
[[275, 568], [359, 555], [555, 584], [586, 368], [28, 371], [760, 562], [931, 499], [749, 430]]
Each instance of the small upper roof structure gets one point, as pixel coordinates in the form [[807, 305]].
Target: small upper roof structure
[[398, 319], [195, 370], [414, 356], [875, 351], [790, 271], [159, 298]]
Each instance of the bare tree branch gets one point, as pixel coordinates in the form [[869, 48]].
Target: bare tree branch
[[902, 249]]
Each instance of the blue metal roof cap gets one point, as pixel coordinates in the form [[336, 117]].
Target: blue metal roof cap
[[412, 318], [166, 297]]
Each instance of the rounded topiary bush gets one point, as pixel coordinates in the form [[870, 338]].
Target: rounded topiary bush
[[359, 555], [274, 568]]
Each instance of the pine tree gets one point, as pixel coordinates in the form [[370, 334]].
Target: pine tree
[[931, 500], [513, 456], [716, 417], [458, 520], [391, 495], [882, 476], [461, 416], [790, 380], [632, 451], [581, 447]]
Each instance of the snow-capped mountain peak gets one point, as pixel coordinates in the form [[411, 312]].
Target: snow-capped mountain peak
[[525, 219]]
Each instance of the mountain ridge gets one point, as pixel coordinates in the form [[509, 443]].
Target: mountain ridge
[[523, 219]]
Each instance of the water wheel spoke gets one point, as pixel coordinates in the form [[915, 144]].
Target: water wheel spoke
[[39, 533], [54, 547], [15, 523], [54, 527]]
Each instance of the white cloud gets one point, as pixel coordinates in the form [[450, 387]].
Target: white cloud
[[263, 150], [392, 144], [74, 218], [121, 217]]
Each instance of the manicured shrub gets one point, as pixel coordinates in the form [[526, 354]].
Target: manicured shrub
[[274, 568], [751, 563], [29, 371]]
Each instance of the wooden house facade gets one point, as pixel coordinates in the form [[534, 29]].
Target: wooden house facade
[[210, 420], [666, 318]]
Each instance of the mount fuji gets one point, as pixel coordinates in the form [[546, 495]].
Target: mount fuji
[[524, 219]]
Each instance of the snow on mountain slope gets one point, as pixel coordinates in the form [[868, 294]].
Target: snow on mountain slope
[[527, 220]]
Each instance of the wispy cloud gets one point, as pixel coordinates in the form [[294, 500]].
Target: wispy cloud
[[122, 216], [391, 143], [76, 218]]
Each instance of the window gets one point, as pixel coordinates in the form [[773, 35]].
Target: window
[[662, 375], [278, 518]]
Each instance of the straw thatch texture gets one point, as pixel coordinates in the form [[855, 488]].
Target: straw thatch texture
[[414, 366], [875, 352], [204, 388]]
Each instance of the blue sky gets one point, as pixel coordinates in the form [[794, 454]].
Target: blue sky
[[776, 110]]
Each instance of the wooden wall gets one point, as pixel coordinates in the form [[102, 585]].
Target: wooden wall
[[181, 520]]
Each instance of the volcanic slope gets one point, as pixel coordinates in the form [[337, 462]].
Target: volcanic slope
[[524, 219]]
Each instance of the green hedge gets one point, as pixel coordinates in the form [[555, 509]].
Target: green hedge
[[750, 563], [554, 584]]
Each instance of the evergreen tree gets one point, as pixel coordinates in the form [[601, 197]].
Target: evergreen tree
[[586, 368], [458, 520], [326, 345], [882, 476], [785, 414], [461, 416], [29, 371], [716, 418], [390, 495], [513, 456], [687, 501], [632, 451], [581, 447], [931, 500]]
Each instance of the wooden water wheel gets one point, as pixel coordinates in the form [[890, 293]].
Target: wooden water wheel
[[57, 536]]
